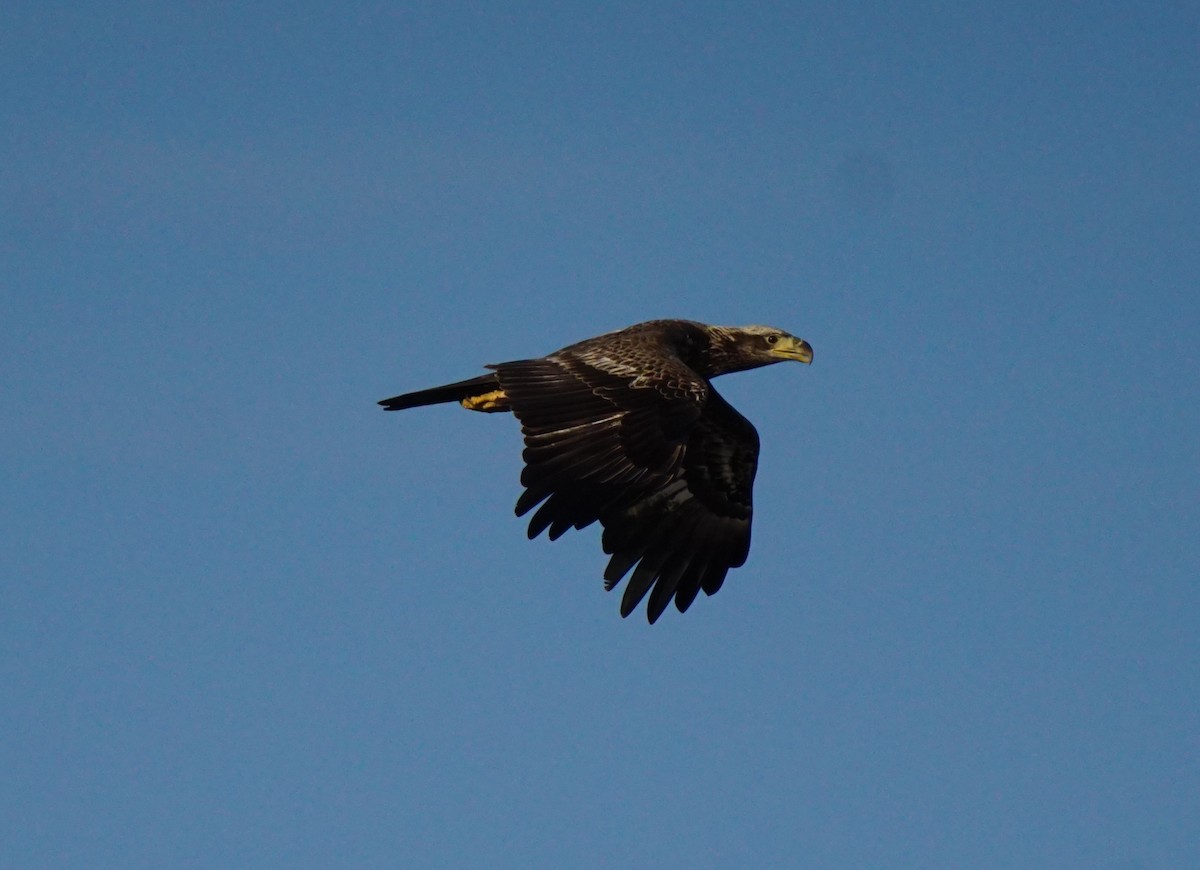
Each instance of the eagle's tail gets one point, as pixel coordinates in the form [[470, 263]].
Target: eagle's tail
[[478, 394]]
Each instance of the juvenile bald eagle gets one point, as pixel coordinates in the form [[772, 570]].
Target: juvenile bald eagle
[[625, 428]]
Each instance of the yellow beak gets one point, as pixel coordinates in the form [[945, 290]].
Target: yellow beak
[[793, 348]]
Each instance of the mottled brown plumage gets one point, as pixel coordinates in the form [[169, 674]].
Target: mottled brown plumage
[[626, 429]]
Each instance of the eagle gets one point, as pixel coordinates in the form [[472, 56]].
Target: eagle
[[626, 429]]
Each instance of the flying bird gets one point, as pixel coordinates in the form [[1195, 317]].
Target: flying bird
[[627, 429]]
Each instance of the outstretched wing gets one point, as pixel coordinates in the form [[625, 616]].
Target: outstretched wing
[[686, 534], [597, 438], [661, 460]]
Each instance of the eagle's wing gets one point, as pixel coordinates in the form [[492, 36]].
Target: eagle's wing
[[686, 534], [661, 459], [597, 438]]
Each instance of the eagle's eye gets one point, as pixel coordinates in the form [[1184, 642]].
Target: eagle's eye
[[771, 339]]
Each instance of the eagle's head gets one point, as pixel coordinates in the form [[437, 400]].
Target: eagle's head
[[738, 348]]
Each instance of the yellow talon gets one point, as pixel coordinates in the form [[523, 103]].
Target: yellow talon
[[496, 400]]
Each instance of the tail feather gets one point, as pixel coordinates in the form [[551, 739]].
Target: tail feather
[[448, 393]]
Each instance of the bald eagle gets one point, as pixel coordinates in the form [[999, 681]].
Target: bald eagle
[[626, 429]]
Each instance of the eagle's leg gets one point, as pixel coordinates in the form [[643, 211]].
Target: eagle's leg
[[489, 402]]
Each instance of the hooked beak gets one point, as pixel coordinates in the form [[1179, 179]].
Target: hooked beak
[[793, 348]]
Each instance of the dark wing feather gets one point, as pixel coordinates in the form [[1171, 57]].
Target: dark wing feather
[[684, 536], [657, 456], [594, 442]]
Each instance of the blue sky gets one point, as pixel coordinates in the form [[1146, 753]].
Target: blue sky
[[250, 620]]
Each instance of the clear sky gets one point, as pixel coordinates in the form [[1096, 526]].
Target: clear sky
[[247, 619]]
